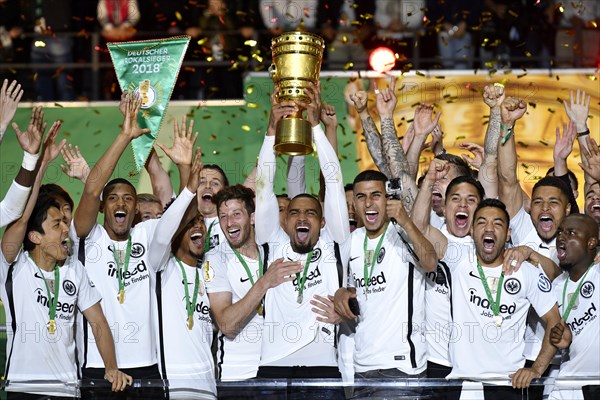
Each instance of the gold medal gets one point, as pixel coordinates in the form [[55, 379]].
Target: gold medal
[[52, 327], [260, 310], [122, 296], [190, 322], [498, 320]]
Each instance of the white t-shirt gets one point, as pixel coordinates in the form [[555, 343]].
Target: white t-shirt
[[238, 358], [584, 353], [32, 352], [292, 335], [523, 233], [188, 356], [392, 313], [438, 312], [133, 322], [478, 348]]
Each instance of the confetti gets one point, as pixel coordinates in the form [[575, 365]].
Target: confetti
[[523, 144], [544, 142], [246, 128]]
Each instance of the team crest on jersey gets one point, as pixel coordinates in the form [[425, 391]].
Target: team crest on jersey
[[316, 255], [587, 289], [512, 286], [381, 255], [544, 283], [69, 287], [137, 250]]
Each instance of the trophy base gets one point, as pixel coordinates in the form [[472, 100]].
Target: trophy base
[[293, 137]]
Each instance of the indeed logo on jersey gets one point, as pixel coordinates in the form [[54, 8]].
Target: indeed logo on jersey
[[204, 311], [311, 279], [578, 324], [137, 274], [484, 303], [61, 307], [374, 284]]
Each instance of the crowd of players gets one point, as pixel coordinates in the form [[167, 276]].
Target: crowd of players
[[459, 274]]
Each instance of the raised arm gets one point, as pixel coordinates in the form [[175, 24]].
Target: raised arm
[[561, 151], [509, 189], [394, 154], [182, 150], [15, 232], [9, 101], [267, 208], [87, 210], [77, 167], [296, 178], [173, 219], [335, 210], [493, 96], [421, 211], [11, 207], [422, 127], [372, 137], [578, 110]]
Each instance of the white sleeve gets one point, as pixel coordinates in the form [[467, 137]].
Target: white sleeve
[[336, 211], [296, 179], [220, 282], [13, 204], [266, 222], [87, 294], [160, 244], [520, 226]]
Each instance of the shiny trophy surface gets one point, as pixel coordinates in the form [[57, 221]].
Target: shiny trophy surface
[[297, 60]]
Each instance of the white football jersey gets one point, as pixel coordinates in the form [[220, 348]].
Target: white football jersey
[[523, 233], [498, 350], [238, 358], [291, 334], [33, 353], [584, 353], [186, 354], [438, 311], [132, 323], [389, 330]]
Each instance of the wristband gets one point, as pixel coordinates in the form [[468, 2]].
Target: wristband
[[584, 133], [509, 132], [29, 161]]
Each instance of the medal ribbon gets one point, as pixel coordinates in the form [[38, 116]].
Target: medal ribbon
[[368, 273], [495, 306], [574, 297], [301, 281], [245, 265], [189, 306], [207, 239], [52, 302], [122, 268]]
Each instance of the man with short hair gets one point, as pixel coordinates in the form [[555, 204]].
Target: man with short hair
[[577, 291], [239, 282], [212, 179], [302, 308], [148, 206], [389, 257], [117, 259], [487, 304]]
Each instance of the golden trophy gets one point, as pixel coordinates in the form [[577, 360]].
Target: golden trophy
[[297, 60]]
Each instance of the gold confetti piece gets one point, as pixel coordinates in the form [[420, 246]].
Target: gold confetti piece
[[544, 142], [523, 144], [591, 77], [346, 144], [524, 165], [243, 58], [257, 57], [237, 148], [440, 77], [520, 76], [58, 105], [460, 137], [348, 66], [528, 54], [250, 89], [212, 137], [97, 132], [557, 78], [344, 39], [534, 105], [419, 73], [358, 160], [551, 110], [207, 117], [202, 41], [215, 152], [250, 43], [513, 13], [246, 128], [178, 15], [253, 105]]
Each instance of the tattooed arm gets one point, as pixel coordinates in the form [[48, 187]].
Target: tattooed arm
[[493, 96], [372, 136]]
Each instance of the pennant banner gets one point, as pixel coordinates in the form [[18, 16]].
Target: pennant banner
[[150, 68]]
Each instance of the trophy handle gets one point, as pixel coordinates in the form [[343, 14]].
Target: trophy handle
[[272, 70]]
